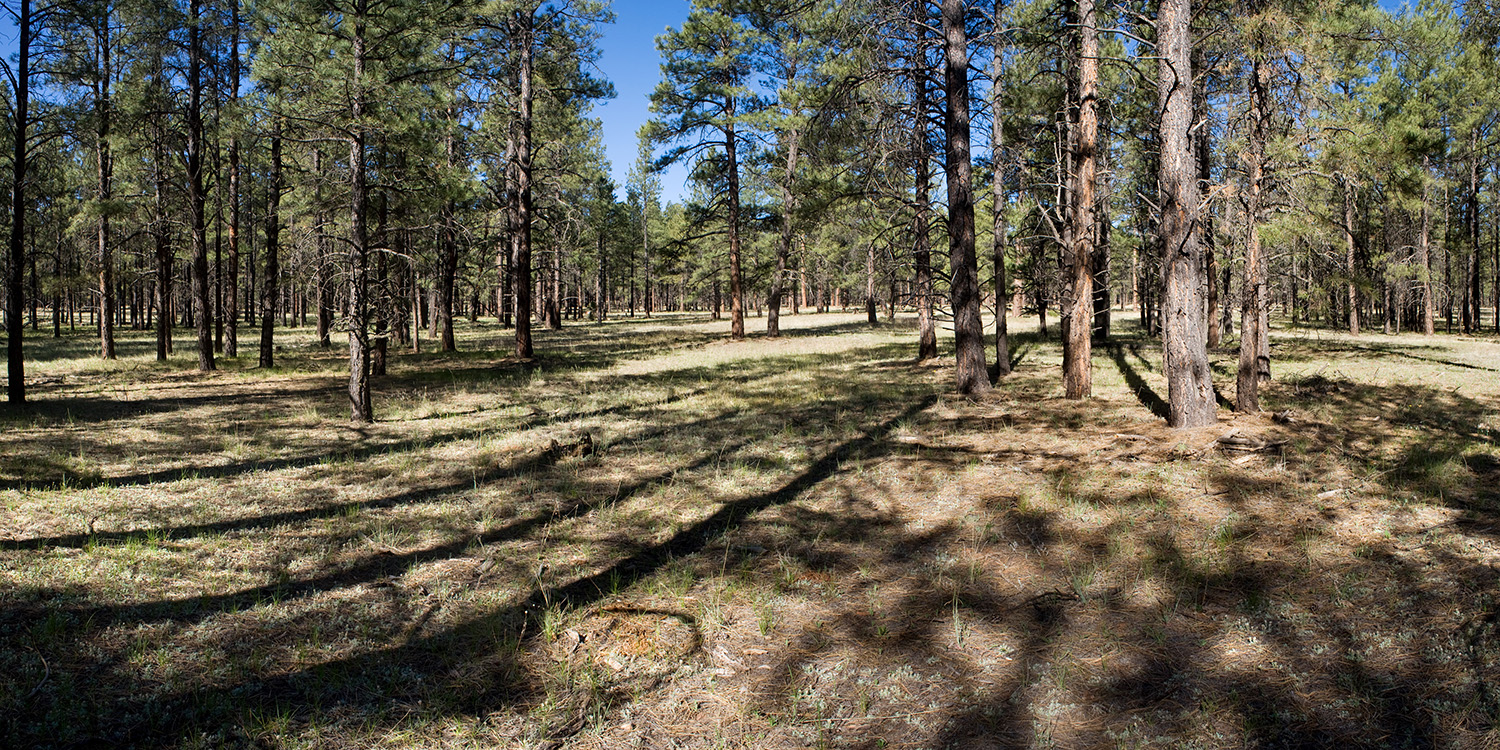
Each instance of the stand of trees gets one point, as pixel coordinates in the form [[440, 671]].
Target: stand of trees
[[383, 168]]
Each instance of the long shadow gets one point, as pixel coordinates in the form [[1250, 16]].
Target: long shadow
[[222, 471], [378, 566], [1136, 383], [145, 720], [536, 462]]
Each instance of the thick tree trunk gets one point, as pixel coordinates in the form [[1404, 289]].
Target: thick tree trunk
[[1190, 390], [1078, 314], [971, 375]]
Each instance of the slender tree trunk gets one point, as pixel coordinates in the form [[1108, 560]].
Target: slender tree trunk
[[1424, 263], [104, 170], [360, 407], [232, 280], [15, 384], [1253, 294], [870, 307], [202, 304], [268, 286], [1190, 390], [1349, 256], [1000, 230], [972, 377], [784, 242], [521, 249], [601, 280], [1476, 292], [1203, 153], [448, 247], [1078, 316], [922, 218], [736, 283]]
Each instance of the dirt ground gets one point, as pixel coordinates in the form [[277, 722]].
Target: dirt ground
[[650, 537]]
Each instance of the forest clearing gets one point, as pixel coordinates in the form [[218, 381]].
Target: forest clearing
[[651, 536]]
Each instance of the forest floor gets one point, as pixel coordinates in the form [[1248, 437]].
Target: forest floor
[[800, 542]]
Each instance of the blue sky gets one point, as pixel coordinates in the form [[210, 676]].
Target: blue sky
[[630, 60]]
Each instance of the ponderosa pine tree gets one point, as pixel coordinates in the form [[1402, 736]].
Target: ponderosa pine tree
[[15, 280], [972, 377], [702, 100], [1190, 389], [1078, 311], [997, 160]]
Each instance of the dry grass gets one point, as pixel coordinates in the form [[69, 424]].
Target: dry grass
[[805, 542]]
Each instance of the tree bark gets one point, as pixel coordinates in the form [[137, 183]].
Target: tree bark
[[1190, 391], [1424, 255], [736, 284], [1000, 230], [1203, 153], [1349, 255], [784, 242], [971, 376], [1253, 295], [268, 288], [921, 220], [521, 246], [15, 366], [232, 279], [448, 246], [360, 408], [104, 172], [202, 304], [1078, 315]]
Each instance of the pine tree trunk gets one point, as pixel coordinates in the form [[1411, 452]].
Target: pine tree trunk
[[1349, 257], [521, 248], [15, 366], [447, 249], [1190, 391], [999, 228], [1078, 315], [202, 304], [268, 286], [971, 376], [1203, 153], [921, 220], [360, 408], [736, 284], [1253, 295], [1424, 263], [784, 242], [232, 279]]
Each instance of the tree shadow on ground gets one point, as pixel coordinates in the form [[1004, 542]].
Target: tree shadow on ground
[[824, 553]]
